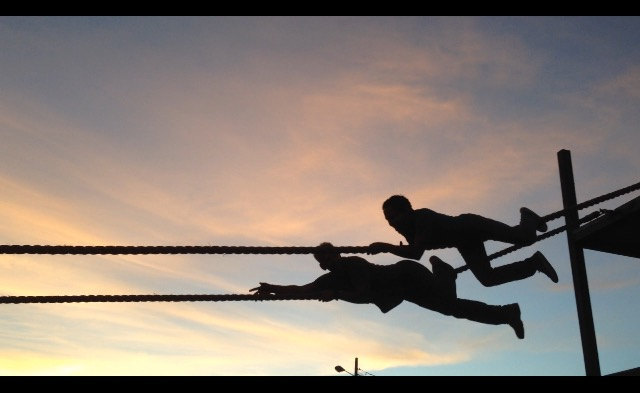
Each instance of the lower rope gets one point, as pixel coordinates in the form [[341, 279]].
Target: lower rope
[[146, 250], [147, 298]]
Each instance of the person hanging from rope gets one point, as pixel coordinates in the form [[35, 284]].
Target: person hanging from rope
[[425, 229], [356, 280]]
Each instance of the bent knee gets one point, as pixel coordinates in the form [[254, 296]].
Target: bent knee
[[487, 279]]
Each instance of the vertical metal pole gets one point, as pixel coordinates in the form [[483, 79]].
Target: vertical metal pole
[[578, 269], [355, 373]]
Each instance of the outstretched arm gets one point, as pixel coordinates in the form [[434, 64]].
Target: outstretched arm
[[266, 288], [321, 287], [409, 251], [327, 287]]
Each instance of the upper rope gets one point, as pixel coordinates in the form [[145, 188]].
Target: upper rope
[[147, 250]]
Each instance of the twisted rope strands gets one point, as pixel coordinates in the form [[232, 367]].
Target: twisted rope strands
[[147, 298], [147, 250], [593, 202]]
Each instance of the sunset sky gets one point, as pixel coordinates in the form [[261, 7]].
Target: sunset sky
[[292, 131]]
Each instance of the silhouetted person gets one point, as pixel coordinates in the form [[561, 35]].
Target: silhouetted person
[[355, 280], [425, 229]]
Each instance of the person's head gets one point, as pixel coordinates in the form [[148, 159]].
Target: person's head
[[327, 255], [397, 202], [397, 210]]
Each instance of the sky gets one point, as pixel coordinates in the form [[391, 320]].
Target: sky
[[292, 131]]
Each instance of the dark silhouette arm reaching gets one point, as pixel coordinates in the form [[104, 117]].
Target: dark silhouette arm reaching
[[322, 288], [411, 251], [327, 287]]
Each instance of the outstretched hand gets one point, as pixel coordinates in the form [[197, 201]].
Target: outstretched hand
[[263, 289], [377, 247]]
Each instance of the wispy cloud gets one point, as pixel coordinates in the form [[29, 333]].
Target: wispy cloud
[[215, 342]]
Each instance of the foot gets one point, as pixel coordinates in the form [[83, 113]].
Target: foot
[[514, 320], [445, 276], [528, 217], [544, 266]]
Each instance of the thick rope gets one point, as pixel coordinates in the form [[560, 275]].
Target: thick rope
[[592, 202], [147, 298], [145, 250]]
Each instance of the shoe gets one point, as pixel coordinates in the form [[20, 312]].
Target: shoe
[[514, 319], [531, 217], [544, 266]]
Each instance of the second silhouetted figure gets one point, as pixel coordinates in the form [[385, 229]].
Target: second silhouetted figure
[[355, 280]]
